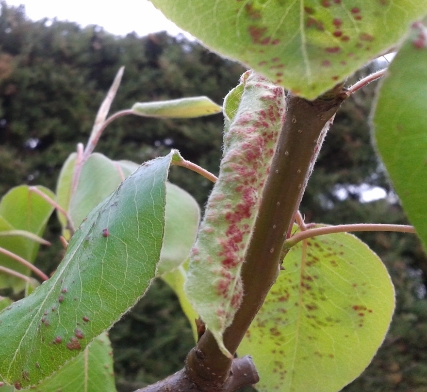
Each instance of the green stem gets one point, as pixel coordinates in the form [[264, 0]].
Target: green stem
[[303, 235]]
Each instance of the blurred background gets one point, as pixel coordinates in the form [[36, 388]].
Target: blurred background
[[54, 75]]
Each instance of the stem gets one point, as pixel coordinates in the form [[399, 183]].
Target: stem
[[15, 273], [95, 139], [196, 168], [55, 205], [303, 235], [24, 262], [365, 81], [299, 143]]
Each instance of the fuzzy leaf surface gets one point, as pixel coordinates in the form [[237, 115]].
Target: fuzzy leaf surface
[[91, 371], [401, 128], [305, 46], [109, 264], [324, 318], [214, 286]]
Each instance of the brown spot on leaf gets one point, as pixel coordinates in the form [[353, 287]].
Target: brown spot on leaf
[[73, 344]]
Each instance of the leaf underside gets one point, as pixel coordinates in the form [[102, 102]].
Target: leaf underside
[[305, 46]]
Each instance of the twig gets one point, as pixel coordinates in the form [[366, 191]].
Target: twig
[[25, 263], [365, 81], [55, 205], [94, 140], [195, 168], [15, 273], [303, 235]]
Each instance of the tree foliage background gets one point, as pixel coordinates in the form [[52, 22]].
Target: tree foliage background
[[53, 77]]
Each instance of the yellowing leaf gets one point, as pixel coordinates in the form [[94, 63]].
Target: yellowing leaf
[[178, 108], [324, 318]]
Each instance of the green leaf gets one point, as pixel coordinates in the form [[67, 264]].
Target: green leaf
[[305, 46], [99, 177], [63, 190], [4, 302], [401, 127], [109, 264], [182, 222], [26, 210], [324, 318], [176, 280], [91, 370], [178, 108], [21, 211]]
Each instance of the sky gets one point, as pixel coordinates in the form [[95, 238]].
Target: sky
[[117, 17]]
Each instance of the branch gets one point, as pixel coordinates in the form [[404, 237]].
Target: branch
[[25, 263], [305, 126], [303, 235], [243, 373]]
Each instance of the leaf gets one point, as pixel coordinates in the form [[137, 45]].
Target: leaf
[[91, 370], [22, 211], [182, 223], [401, 128], [109, 264], [63, 190], [214, 285], [4, 302], [324, 318], [99, 177], [305, 46], [177, 108], [176, 280], [26, 210]]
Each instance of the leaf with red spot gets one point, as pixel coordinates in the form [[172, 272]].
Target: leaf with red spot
[[289, 42], [98, 280], [254, 118], [401, 126], [324, 318], [91, 370]]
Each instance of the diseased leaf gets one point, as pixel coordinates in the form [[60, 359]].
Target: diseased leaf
[[305, 46], [91, 371], [109, 264], [182, 223], [177, 108], [214, 285], [401, 127], [324, 318]]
